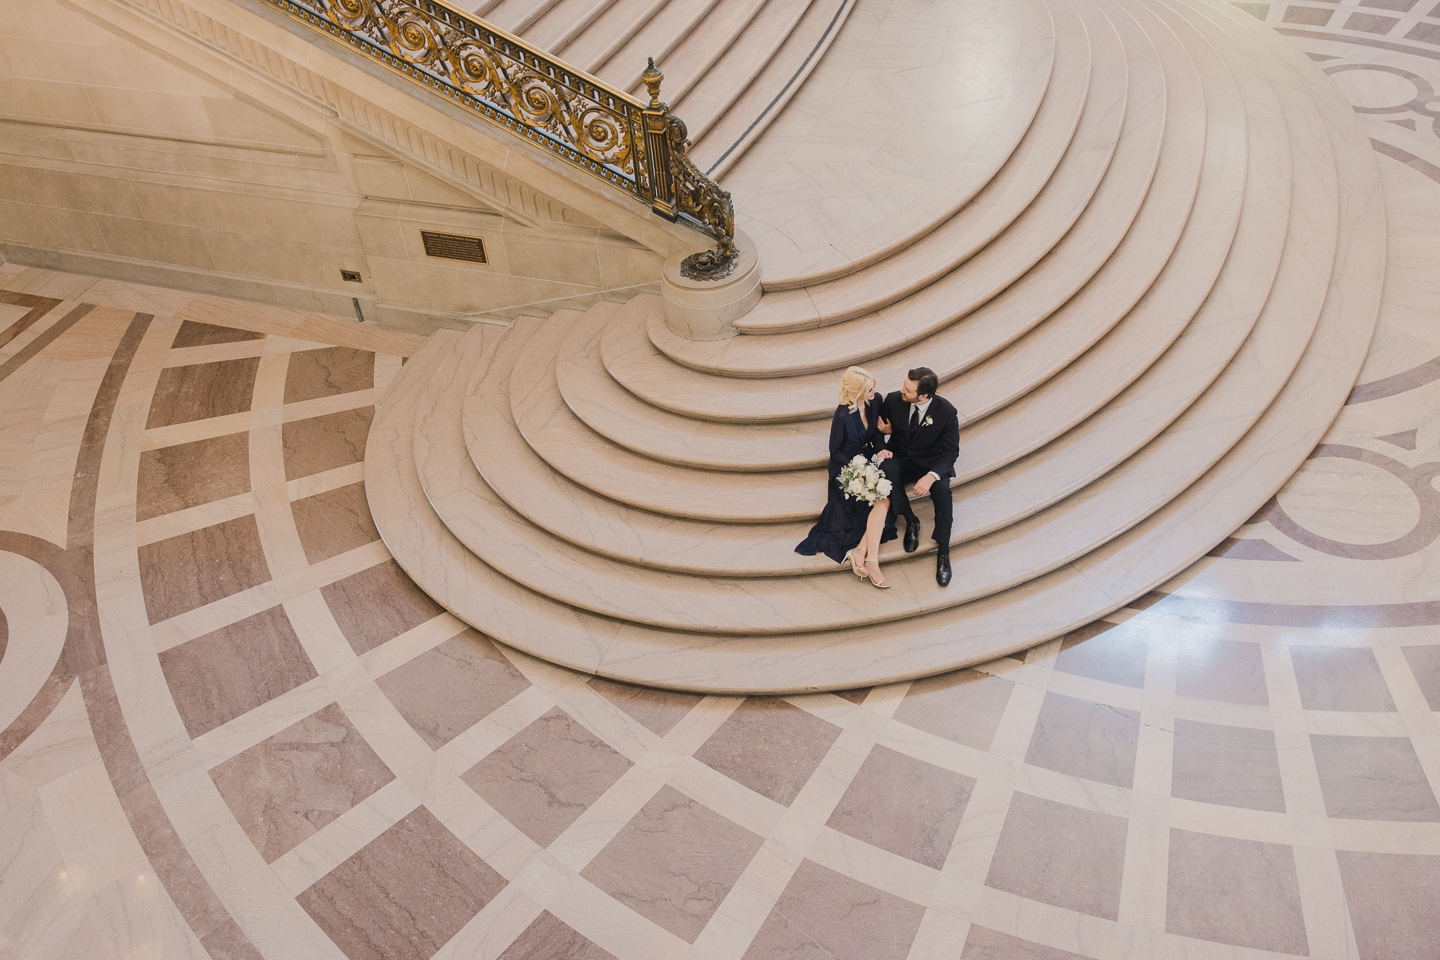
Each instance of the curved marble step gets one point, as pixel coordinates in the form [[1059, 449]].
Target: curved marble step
[[723, 139], [1050, 250], [1146, 403], [628, 421], [1177, 532], [1216, 327], [505, 14], [1002, 498], [704, 96], [687, 39], [565, 21], [1092, 45], [611, 29], [988, 503], [542, 562], [625, 419], [973, 167]]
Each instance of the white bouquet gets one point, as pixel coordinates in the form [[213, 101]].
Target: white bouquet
[[863, 479]]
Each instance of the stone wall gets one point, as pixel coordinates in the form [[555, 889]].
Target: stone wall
[[130, 150]]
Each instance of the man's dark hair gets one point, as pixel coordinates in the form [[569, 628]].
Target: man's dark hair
[[926, 383]]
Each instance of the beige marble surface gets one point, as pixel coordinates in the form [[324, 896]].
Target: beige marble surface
[[862, 119], [1243, 763]]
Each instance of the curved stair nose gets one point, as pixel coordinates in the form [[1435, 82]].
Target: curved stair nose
[[1147, 292]]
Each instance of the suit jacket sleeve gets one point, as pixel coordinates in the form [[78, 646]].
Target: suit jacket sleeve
[[942, 464]]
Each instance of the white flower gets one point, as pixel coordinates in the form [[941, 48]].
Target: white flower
[[928, 421], [858, 460], [857, 486], [883, 488]]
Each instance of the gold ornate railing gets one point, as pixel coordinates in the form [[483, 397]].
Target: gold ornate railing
[[636, 146]]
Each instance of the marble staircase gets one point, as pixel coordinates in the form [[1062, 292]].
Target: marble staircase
[[1148, 295], [730, 65]]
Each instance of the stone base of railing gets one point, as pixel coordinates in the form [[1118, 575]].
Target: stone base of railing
[[707, 309]]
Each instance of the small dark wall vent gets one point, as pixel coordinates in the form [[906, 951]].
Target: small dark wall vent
[[453, 247]]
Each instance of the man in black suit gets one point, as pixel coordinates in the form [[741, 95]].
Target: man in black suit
[[924, 441]]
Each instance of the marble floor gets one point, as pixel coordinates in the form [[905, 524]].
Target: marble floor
[[233, 728]]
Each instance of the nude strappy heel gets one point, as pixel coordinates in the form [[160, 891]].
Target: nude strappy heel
[[882, 583], [855, 565]]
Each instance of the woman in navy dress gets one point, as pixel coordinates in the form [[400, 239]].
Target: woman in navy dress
[[852, 530]]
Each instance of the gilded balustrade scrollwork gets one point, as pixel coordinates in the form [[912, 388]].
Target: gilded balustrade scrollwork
[[638, 147]]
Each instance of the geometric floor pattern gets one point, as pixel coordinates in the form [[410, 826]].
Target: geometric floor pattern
[[233, 728]]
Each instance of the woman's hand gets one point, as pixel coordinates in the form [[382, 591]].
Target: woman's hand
[[884, 454]]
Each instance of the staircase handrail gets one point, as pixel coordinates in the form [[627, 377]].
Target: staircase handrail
[[639, 147]]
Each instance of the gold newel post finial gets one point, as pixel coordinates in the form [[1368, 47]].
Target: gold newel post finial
[[651, 78]]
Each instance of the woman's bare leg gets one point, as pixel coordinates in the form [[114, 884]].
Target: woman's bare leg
[[874, 529]]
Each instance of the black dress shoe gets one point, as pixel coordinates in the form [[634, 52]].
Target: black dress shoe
[[942, 569], [912, 536]]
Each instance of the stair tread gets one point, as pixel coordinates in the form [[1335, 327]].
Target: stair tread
[[1094, 46], [700, 51], [722, 140], [1225, 428], [625, 419], [1140, 409], [848, 120], [714, 85], [620, 21], [507, 14], [1050, 250], [1174, 381], [563, 21]]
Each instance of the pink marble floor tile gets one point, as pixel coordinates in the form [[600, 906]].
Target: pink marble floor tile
[[1340, 678], [404, 894], [656, 710], [1392, 900], [1114, 653], [546, 775], [189, 474], [674, 862], [1085, 739], [1425, 665], [378, 604], [824, 915], [1239, 892], [447, 690], [964, 706], [333, 522], [1233, 766], [200, 391], [1226, 670], [904, 805], [192, 333], [288, 786], [1062, 855], [328, 372], [769, 746], [1373, 778], [550, 939], [317, 444], [181, 573], [224, 674], [982, 943]]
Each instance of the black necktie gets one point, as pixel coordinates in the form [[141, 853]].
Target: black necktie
[[914, 416]]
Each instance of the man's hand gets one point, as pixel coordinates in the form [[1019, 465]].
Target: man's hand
[[922, 486], [884, 426], [884, 454]]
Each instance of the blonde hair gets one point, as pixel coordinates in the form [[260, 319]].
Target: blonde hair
[[853, 386]]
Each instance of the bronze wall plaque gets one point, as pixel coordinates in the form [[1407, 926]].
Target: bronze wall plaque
[[453, 247]]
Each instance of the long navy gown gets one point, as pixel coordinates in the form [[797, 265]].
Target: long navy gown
[[841, 526]]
